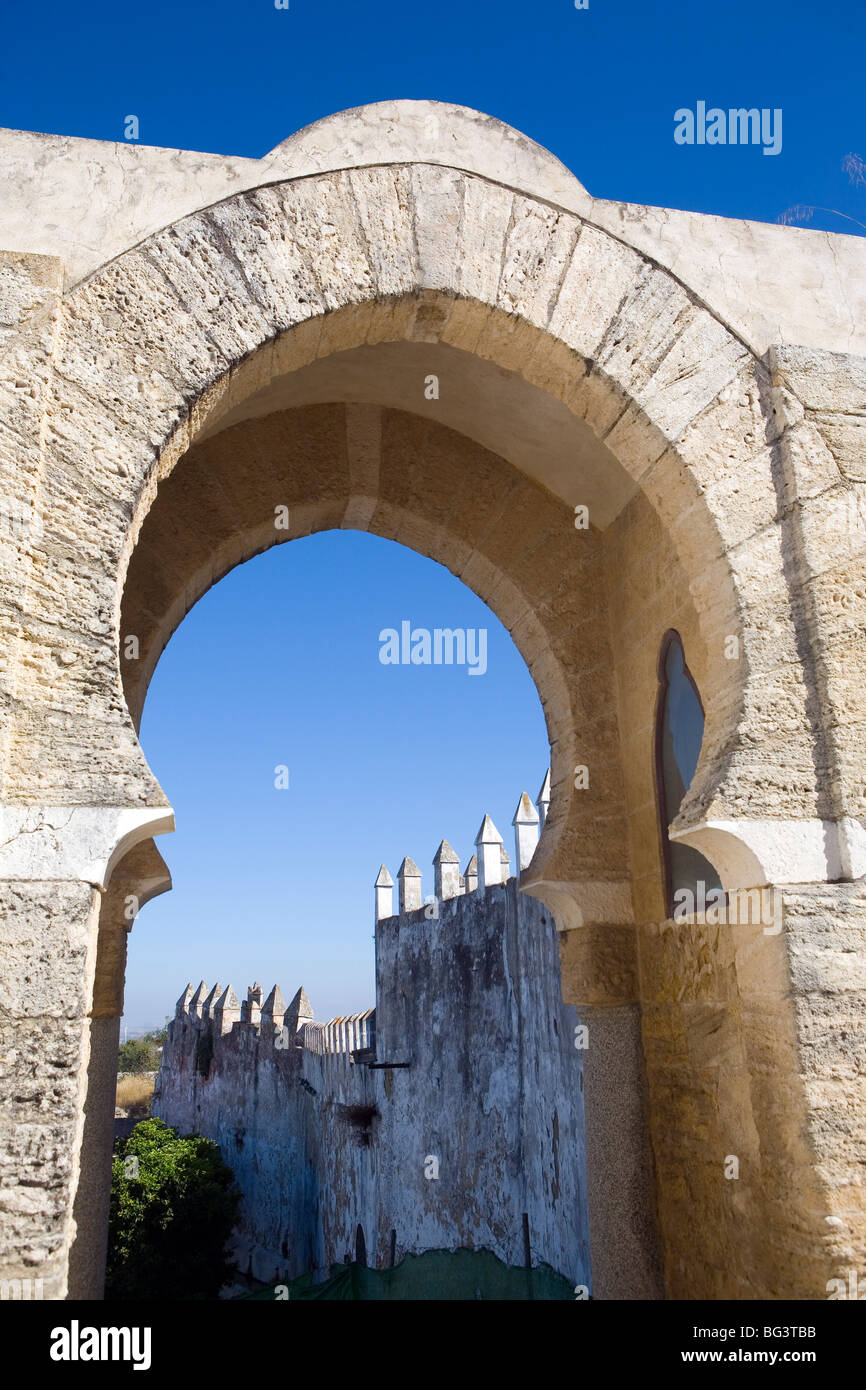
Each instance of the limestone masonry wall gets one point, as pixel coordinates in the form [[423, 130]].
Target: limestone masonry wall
[[187, 341]]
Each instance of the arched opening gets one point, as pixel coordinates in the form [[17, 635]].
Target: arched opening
[[429, 487], [298, 760], [559, 573], [586, 605], [276, 467], [139, 611]]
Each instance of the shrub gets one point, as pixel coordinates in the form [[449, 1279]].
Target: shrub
[[173, 1206], [136, 1056], [142, 1054]]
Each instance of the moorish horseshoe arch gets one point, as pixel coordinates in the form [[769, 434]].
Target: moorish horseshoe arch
[[161, 361]]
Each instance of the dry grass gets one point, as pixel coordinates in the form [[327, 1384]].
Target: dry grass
[[134, 1094]]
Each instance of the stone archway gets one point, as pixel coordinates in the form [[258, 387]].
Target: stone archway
[[205, 330]]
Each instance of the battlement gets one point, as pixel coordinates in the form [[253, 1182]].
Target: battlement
[[490, 864], [468, 1058], [219, 1012]]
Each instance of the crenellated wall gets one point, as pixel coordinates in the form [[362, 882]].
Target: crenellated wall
[[450, 1117]]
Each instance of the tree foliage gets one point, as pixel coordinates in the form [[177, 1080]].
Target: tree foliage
[[173, 1206], [141, 1054]]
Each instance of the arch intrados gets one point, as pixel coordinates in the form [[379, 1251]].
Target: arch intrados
[[153, 610], [255, 534], [434, 318], [283, 361]]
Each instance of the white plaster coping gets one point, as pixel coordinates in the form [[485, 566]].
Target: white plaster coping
[[384, 895], [427, 132], [488, 843], [89, 201], [755, 853], [73, 843], [526, 824]]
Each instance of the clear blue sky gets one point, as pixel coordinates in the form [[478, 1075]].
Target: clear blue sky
[[597, 87], [278, 664]]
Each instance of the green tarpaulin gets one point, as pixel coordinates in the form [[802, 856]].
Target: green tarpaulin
[[437, 1274]]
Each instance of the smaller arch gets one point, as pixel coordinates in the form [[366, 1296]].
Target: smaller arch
[[137, 873], [679, 728]]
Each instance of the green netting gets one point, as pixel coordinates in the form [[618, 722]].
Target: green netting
[[437, 1274]]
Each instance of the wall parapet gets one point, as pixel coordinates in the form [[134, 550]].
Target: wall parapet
[[490, 864], [354, 1033], [466, 1070], [292, 1026]]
